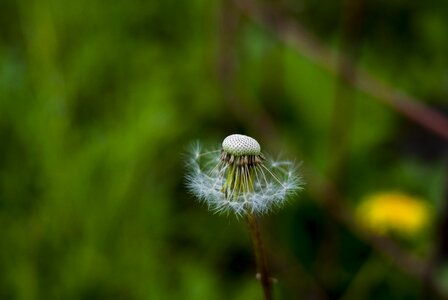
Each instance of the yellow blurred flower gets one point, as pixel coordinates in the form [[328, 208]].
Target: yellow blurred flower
[[393, 212]]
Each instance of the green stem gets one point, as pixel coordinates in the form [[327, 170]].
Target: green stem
[[260, 256]]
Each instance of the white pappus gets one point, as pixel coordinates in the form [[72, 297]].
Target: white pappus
[[239, 178]]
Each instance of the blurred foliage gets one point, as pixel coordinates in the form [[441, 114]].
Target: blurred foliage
[[98, 101]]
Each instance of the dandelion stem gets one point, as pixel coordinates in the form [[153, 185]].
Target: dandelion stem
[[260, 256]]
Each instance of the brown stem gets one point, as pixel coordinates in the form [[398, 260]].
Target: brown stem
[[260, 256]]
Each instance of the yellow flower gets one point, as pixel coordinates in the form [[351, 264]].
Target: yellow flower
[[393, 212]]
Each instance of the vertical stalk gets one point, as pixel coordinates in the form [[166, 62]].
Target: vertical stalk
[[260, 256]]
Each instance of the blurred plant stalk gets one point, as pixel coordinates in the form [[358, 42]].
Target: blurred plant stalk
[[260, 256], [294, 34]]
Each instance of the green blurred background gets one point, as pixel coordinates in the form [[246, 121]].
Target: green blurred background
[[99, 101]]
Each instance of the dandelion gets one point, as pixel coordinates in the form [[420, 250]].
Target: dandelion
[[238, 178], [393, 212]]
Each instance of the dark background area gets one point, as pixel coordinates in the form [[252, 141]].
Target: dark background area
[[100, 100]]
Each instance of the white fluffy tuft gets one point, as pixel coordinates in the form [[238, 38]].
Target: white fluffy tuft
[[272, 187]]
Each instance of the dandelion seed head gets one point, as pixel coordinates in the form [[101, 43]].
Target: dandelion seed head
[[238, 178]]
